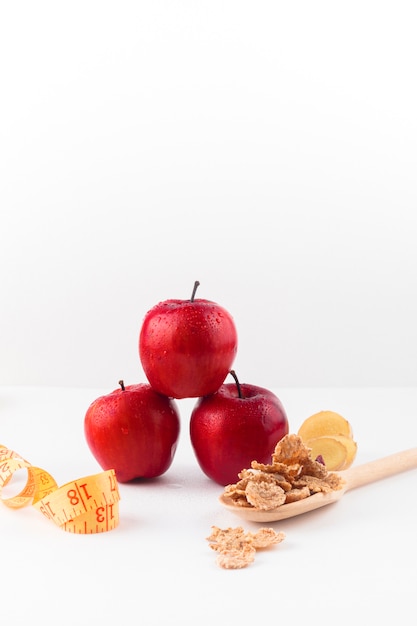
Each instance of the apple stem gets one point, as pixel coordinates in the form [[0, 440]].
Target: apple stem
[[239, 388], [122, 384], [196, 284]]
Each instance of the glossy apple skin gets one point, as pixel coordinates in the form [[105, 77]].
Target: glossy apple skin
[[187, 347], [134, 431], [228, 433]]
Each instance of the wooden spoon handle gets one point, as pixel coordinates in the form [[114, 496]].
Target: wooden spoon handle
[[381, 468]]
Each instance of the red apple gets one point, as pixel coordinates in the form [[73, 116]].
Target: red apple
[[187, 347], [234, 426], [133, 430]]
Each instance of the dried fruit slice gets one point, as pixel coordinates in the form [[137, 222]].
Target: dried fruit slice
[[351, 447], [333, 452], [323, 424], [337, 451]]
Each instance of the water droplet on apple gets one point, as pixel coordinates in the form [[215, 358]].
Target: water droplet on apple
[[125, 431]]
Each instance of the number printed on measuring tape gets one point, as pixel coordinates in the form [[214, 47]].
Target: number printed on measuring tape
[[84, 506]]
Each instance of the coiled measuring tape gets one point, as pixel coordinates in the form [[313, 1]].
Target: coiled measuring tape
[[84, 506]]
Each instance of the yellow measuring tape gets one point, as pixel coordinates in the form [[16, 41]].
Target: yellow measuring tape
[[84, 506]]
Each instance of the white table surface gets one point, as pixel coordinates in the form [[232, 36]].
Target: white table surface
[[355, 557]]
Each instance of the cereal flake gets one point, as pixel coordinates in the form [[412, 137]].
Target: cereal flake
[[236, 548], [291, 476]]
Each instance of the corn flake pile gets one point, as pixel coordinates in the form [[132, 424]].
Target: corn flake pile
[[236, 548], [293, 475]]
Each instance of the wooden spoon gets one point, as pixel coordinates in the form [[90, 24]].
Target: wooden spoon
[[353, 477]]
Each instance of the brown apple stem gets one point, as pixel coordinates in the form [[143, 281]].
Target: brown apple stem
[[196, 284], [239, 389], [122, 384]]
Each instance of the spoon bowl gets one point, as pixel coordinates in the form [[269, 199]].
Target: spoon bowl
[[352, 478]]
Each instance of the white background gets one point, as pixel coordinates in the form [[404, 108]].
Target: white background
[[266, 149]]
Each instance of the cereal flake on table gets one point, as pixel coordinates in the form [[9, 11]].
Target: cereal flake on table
[[236, 548]]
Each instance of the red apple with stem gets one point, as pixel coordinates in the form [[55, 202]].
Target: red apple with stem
[[187, 347], [133, 430], [234, 426]]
